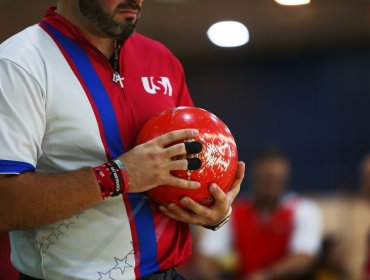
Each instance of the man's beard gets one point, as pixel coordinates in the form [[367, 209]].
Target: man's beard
[[105, 22]]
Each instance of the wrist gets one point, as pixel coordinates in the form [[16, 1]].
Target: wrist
[[125, 181], [221, 223], [112, 178]]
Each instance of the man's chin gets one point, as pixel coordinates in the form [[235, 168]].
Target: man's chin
[[121, 18], [127, 33]]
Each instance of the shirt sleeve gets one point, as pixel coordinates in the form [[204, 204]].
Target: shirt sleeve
[[22, 119], [216, 244], [307, 232]]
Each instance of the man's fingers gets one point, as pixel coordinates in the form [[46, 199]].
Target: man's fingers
[[177, 135], [240, 172], [196, 207], [175, 150], [218, 194], [235, 187], [167, 212], [180, 164], [183, 215], [185, 164], [181, 149], [194, 147], [181, 183]]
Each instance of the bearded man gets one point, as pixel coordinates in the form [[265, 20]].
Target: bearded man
[[75, 90]]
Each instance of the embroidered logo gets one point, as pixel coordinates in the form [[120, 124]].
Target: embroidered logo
[[154, 85]]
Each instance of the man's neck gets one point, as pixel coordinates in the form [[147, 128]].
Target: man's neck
[[103, 43], [266, 205]]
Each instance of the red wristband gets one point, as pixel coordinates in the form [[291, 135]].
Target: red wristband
[[112, 178], [105, 181]]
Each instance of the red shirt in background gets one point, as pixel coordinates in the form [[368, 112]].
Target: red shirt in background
[[261, 241]]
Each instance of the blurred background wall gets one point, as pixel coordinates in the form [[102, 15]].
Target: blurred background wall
[[314, 106]]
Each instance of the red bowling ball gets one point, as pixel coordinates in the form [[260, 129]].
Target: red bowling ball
[[219, 156]]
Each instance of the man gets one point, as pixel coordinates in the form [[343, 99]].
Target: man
[[274, 236], [75, 91]]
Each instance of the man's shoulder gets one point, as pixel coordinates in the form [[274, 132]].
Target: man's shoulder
[[300, 205], [26, 49], [25, 53], [21, 43], [150, 46]]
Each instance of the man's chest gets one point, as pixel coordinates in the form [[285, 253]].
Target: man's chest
[[110, 111]]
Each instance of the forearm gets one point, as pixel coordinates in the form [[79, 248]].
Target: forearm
[[291, 266], [34, 199]]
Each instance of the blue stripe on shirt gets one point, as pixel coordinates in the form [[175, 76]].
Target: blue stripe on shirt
[[146, 234], [15, 167], [96, 91], [144, 220]]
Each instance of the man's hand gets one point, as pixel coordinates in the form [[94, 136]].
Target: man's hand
[[202, 215], [148, 165]]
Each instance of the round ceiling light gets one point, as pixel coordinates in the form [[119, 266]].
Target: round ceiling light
[[293, 2], [228, 34]]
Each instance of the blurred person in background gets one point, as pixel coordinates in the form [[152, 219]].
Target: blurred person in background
[[332, 261], [7, 271], [274, 235], [348, 217], [365, 194], [367, 265]]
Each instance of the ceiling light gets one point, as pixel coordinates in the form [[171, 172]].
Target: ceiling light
[[293, 2], [228, 34]]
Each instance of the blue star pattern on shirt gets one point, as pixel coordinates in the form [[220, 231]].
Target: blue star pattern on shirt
[[52, 235], [119, 268], [105, 276]]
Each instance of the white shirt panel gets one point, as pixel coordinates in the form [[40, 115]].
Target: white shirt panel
[[52, 99], [306, 235], [216, 244], [307, 231], [22, 117]]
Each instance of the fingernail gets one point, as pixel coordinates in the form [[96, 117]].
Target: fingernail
[[213, 188], [185, 201], [195, 132]]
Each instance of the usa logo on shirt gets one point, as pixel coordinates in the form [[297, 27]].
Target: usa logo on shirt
[[155, 85]]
